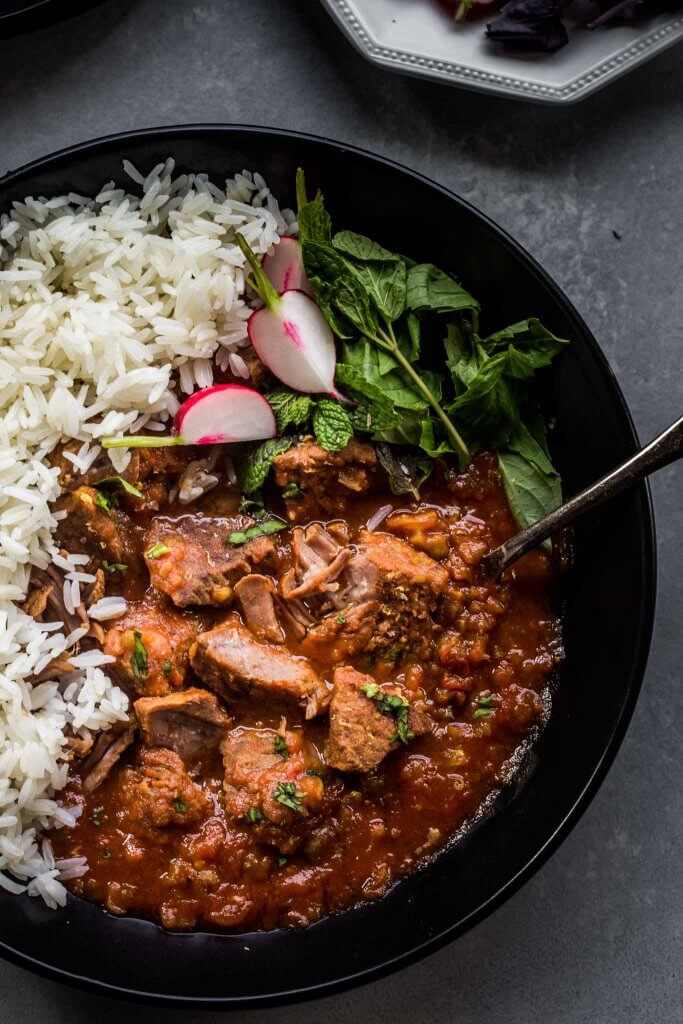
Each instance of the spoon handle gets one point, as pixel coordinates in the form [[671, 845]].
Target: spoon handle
[[665, 448]]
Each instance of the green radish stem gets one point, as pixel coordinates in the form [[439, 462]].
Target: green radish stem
[[262, 285], [142, 441]]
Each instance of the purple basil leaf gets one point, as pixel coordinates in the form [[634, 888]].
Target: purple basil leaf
[[530, 25]]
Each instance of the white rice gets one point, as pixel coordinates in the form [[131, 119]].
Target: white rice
[[102, 301]]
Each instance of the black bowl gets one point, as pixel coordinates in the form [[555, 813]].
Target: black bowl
[[609, 606]]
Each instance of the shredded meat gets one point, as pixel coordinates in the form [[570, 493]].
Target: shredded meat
[[201, 566], [233, 663], [106, 752], [158, 792], [361, 735], [191, 723], [256, 595]]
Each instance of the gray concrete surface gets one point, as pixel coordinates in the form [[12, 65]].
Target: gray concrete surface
[[596, 937]]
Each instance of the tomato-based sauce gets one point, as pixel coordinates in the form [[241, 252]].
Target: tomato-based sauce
[[473, 665]]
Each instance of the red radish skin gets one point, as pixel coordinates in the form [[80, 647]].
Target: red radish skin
[[225, 413], [284, 268], [293, 339]]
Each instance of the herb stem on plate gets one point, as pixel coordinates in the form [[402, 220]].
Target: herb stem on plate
[[388, 342]]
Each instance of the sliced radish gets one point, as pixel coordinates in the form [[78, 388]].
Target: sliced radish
[[291, 335], [295, 343], [222, 414], [284, 267], [225, 413]]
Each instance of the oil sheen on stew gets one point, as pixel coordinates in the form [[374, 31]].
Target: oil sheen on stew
[[319, 709]]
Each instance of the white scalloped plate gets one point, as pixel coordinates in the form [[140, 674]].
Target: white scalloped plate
[[418, 37]]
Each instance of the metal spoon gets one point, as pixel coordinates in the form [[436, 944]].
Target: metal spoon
[[665, 448]]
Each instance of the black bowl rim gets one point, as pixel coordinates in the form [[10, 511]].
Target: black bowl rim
[[582, 801]]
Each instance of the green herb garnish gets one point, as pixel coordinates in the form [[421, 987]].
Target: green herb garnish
[[281, 861], [118, 481], [254, 815], [139, 660], [395, 706], [288, 795], [168, 668], [263, 529], [114, 567], [179, 806], [105, 501], [280, 747], [157, 550], [253, 507], [341, 619], [484, 706], [291, 490]]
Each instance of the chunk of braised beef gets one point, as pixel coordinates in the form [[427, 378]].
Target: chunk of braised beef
[[312, 478], [93, 526], [157, 792], [151, 644], [267, 785], [193, 561], [256, 595], [342, 635], [192, 723], [361, 732], [236, 665]]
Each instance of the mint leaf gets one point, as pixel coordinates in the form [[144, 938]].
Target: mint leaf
[[374, 413], [528, 337], [291, 408], [363, 249], [339, 290], [531, 493], [429, 290], [381, 370], [382, 273], [406, 470], [257, 464], [488, 408], [331, 425]]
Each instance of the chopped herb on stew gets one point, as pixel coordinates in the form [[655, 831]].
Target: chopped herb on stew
[[281, 861], [110, 482], [168, 668], [291, 490], [484, 706], [114, 567], [289, 796], [257, 530], [254, 815], [138, 660], [157, 550], [280, 747], [341, 619], [394, 705], [105, 501], [179, 806], [252, 506]]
